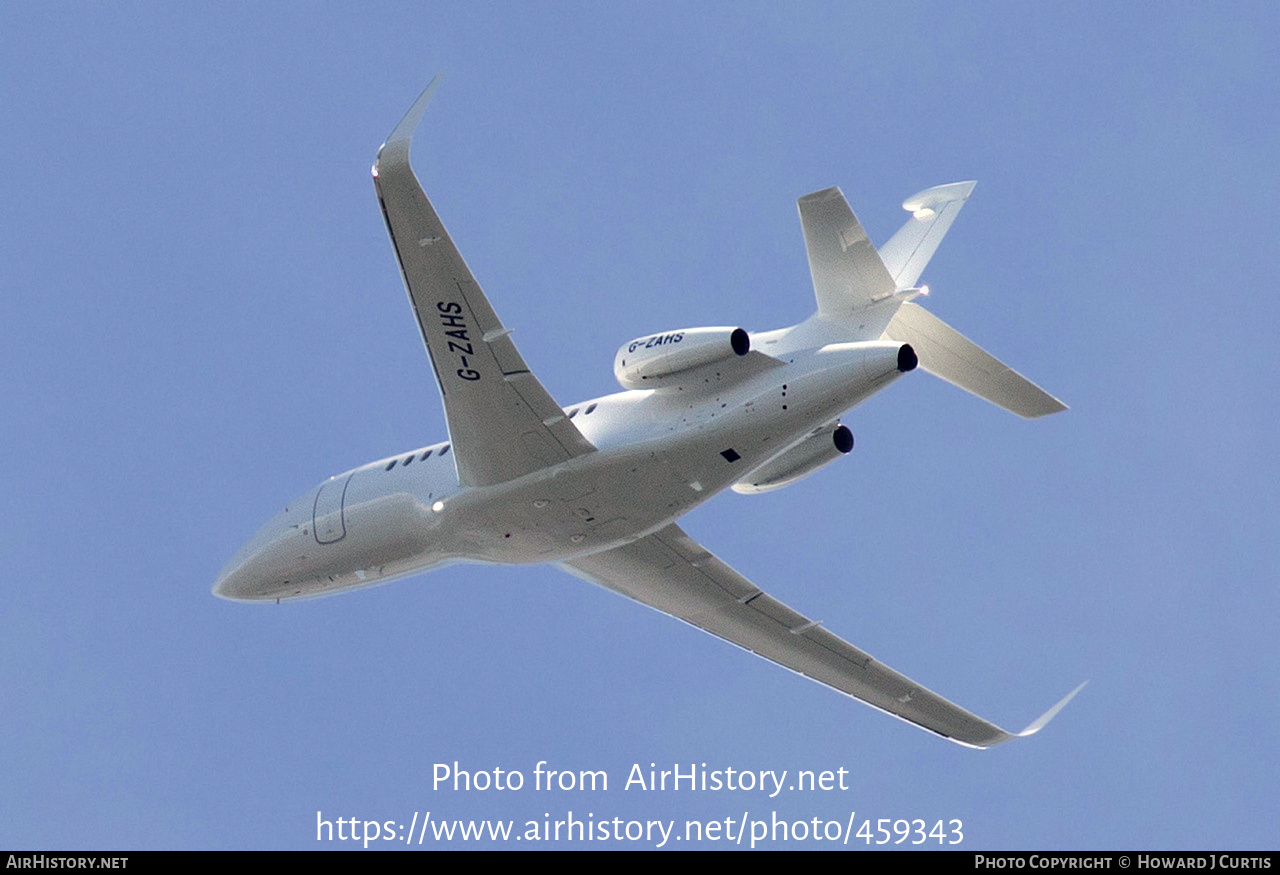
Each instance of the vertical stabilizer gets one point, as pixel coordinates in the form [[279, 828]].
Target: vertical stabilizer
[[932, 212]]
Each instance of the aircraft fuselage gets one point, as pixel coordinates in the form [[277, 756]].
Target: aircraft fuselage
[[659, 454], [597, 488]]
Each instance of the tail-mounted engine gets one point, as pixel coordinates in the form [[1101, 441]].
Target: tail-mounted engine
[[646, 362], [828, 444]]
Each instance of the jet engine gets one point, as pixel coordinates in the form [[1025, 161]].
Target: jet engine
[[645, 362], [827, 445]]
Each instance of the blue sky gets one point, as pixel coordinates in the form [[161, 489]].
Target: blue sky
[[204, 319]]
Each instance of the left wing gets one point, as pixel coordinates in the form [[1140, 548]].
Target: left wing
[[503, 424], [675, 574]]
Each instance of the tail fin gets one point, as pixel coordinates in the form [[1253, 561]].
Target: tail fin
[[946, 353], [870, 292], [850, 276], [932, 212]]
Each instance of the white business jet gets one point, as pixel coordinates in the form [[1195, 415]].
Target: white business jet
[[597, 487]]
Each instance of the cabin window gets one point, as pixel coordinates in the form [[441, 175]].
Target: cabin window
[[391, 464], [425, 456], [444, 450], [573, 413], [591, 408]]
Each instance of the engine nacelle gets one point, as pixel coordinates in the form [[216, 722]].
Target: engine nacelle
[[800, 461], [645, 362]]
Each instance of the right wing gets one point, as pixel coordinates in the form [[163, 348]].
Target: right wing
[[675, 574], [502, 423]]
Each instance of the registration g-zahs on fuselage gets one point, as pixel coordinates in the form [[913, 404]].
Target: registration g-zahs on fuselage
[[597, 487]]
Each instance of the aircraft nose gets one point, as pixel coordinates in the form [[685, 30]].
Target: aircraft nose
[[237, 582], [254, 573], [230, 586]]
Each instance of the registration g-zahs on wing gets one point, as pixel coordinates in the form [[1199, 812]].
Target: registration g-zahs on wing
[[597, 487]]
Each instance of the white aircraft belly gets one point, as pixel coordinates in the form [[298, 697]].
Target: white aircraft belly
[[598, 487]]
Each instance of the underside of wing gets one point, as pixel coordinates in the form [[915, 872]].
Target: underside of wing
[[672, 573], [503, 424]]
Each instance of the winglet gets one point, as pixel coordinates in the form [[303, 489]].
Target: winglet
[[1039, 723], [1043, 720], [403, 133]]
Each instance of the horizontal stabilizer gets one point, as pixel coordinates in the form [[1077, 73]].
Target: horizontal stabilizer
[[946, 353], [932, 212], [847, 273]]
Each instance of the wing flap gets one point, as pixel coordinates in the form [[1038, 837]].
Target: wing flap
[[491, 399], [671, 572]]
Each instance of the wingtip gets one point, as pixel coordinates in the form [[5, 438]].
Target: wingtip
[[403, 132], [1043, 720], [1050, 406], [1002, 736]]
